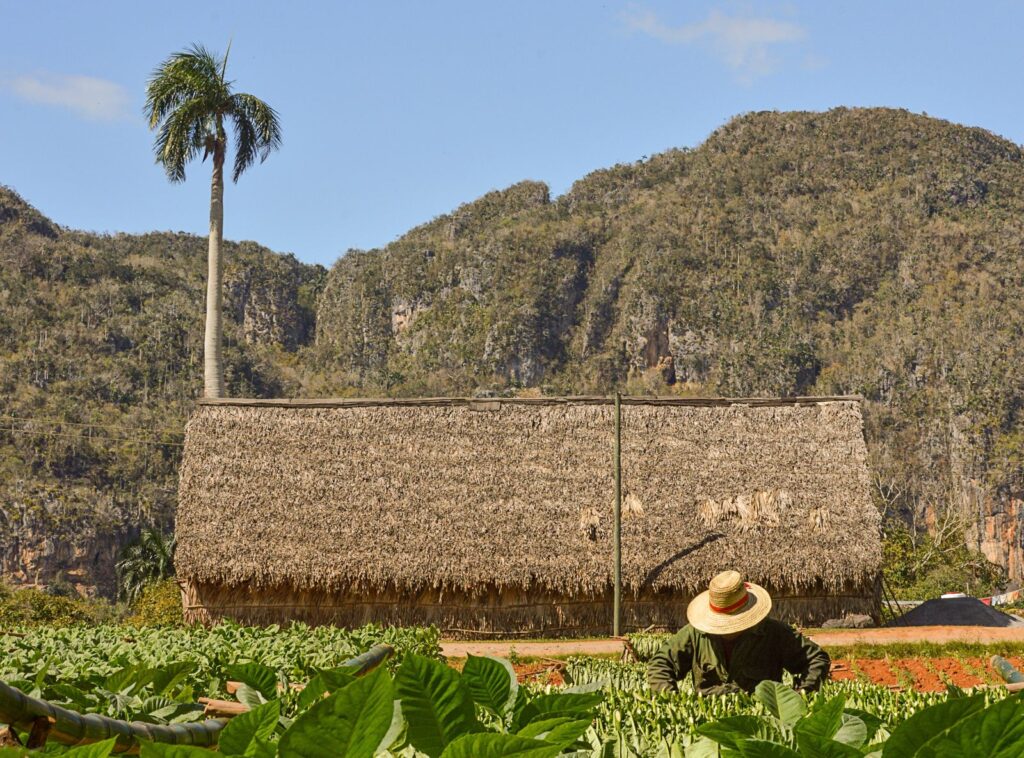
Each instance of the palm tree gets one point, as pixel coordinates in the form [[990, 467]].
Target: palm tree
[[148, 560], [189, 100]]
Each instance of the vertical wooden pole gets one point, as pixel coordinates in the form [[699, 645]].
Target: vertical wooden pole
[[617, 529]]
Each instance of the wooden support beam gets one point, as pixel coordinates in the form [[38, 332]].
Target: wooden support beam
[[40, 731], [223, 708]]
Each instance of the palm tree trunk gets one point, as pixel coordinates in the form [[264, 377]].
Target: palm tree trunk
[[213, 367]]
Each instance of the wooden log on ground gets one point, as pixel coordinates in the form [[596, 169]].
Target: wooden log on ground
[[223, 708]]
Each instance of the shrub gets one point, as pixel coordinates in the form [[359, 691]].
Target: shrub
[[33, 606], [61, 587], [158, 604]]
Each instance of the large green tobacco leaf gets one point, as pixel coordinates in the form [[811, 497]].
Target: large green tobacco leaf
[[262, 748], [330, 680], [556, 704], [249, 696], [853, 732], [80, 700], [781, 701], [348, 724], [239, 736], [261, 678], [814, 746], [921, 728], [765, 749], [872, 723], [499, 746], [705, 747], [95, 750], [995, 732], [731, 730], [491, 682], [827, 726], [559, 731], [436, 703], [158, 750], [824, 721], [168, 676], [129, 678]]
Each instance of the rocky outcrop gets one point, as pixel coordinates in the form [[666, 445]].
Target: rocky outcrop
[[1001, 534], [267, 300]]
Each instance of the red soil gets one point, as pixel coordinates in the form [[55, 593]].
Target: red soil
[[543, 673], [841, 671], [922, 674], [959, 673], [917, 671], [876, 670]]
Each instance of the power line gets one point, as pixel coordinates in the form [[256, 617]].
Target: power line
[[57, 421], [90, 439]]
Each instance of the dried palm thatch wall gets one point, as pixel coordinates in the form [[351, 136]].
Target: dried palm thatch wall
[[494, 516]]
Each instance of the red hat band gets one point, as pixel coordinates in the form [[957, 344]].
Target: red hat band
[[733, 606]]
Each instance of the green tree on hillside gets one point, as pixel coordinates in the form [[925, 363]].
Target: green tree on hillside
[[188, 100]]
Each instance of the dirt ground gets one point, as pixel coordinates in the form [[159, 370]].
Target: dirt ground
[[828, 637], [531, 648], [936, 634]]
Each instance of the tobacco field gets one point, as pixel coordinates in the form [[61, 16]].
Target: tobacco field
[[419, 705]]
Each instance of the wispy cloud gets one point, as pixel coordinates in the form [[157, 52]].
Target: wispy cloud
[[86, 96], [743, 43]]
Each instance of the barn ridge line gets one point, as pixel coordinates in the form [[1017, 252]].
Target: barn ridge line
[[494, 403]]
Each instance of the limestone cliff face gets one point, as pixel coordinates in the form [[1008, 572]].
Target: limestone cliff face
[[51, 534], [1001, 535], [266, 299]]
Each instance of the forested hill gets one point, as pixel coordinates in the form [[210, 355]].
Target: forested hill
[[856, 251], [100, 360]]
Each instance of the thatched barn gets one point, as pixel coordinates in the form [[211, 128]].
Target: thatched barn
[[495, 516]]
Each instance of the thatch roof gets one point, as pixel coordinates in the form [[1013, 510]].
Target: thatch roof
[[461, 494]]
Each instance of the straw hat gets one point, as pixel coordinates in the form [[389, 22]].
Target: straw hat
[[729, 605]]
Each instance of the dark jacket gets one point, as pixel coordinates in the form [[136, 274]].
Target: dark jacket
[[760, 653]]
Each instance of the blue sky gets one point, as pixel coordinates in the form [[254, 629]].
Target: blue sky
[[396, 112]]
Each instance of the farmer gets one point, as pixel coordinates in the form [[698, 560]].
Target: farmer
[[730, 644]]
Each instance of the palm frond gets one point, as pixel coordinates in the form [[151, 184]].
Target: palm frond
[[257, 131], [183, 76], [188, 97], [182, 136]]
